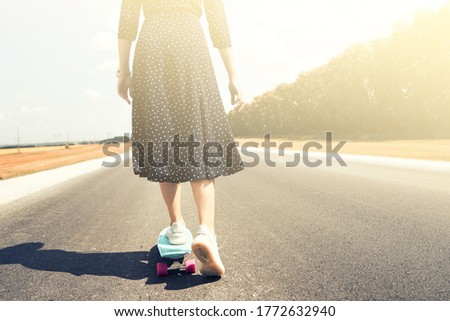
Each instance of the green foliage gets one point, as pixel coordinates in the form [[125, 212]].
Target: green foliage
[[398, 87]]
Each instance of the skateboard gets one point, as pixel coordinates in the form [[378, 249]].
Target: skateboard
[[174, 253]]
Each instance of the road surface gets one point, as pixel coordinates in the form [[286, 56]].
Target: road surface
[[367, 231]]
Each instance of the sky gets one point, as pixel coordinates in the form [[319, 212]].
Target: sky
[[59, 57]]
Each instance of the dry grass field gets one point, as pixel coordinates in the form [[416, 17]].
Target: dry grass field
[[31, 160], [416, 149]]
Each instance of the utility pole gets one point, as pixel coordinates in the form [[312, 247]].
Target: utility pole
[[18, 140], [67, 136]]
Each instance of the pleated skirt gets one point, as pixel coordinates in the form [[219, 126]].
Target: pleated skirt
[[180, 130]]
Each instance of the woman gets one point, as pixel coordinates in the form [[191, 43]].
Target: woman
[[180, 131]]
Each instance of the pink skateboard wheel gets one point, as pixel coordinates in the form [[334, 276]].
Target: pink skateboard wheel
[[190, 266], [162, 269]]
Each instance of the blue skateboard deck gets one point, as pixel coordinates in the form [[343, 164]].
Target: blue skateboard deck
[[174, 252]]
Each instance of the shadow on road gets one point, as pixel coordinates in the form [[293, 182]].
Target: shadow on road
[[126, 265]]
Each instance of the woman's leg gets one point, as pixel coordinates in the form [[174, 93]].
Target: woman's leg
[[204, 194], [171, 193], [204, 245]]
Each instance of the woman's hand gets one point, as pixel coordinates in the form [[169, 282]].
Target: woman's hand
[[237, 98], [124, 84]]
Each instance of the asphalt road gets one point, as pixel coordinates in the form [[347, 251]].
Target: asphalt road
[[362, 232]]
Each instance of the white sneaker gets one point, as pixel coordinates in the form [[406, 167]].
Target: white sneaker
[[205, 249], [176, 233]]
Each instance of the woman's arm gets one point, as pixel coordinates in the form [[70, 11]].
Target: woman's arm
[[124, 55], [220, 36], [128, 28], [228, 60], [124, 82]]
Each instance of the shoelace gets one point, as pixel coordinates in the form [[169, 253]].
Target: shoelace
[[177, 230]]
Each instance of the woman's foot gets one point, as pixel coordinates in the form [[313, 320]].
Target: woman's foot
[[205, 249], [176, 233]]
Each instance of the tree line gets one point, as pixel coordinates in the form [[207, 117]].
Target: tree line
[[392, 88]]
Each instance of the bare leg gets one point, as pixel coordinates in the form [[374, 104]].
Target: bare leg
[[204, 193], [204, 246], [171, 193]]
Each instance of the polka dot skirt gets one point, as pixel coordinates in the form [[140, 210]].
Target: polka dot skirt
[[180, 131]]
